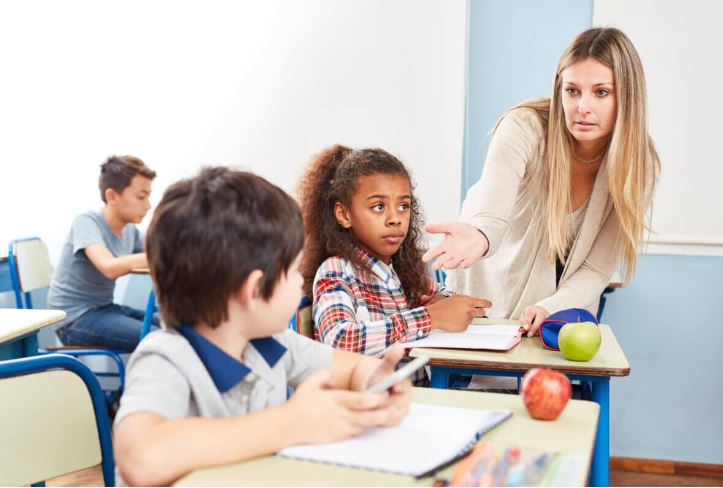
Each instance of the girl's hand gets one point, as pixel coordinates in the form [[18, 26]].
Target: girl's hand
[[455, 313], [430, 299], [532, 318], [462, 246]]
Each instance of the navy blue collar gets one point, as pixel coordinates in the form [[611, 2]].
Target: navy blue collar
[[227, 371]]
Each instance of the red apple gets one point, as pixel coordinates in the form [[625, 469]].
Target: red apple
[[545, 393]]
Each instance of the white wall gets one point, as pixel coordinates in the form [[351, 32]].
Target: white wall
[[263, 84], [680, 47]]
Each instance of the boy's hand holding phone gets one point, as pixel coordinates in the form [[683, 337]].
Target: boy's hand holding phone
[[323, 414], [400, 392]]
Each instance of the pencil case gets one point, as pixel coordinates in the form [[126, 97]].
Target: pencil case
[[550, 328]]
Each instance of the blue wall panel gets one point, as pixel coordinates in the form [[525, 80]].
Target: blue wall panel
[[669, 324], [513, 49]]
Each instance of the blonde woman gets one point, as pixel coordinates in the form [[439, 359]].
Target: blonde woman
[[565, 190]]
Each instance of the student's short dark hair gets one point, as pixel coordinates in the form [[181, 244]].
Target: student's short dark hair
[[118, 171], [209, 233]]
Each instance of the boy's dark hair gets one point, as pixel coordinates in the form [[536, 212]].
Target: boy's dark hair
[[333, 176], [209, 233], [118, 171]]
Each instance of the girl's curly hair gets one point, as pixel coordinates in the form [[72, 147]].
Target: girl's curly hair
[[332, 176]]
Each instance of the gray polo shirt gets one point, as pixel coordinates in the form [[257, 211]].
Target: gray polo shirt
[[77, 284], [178, 373]]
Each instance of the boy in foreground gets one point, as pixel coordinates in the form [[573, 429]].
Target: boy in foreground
[[224, 249]]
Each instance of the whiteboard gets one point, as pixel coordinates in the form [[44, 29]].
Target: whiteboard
[[258, 84], [680, 44]]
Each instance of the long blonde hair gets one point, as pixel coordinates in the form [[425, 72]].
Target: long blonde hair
[[632, 162]]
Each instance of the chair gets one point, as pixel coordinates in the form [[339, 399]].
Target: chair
[[303, 322], [440, 277], [151, 308], [30, 269], [53, 420]]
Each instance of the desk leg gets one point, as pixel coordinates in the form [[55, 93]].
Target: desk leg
[[600, 470], [603, 300], [30, 346], [440, 377]]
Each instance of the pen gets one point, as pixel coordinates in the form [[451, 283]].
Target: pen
[[445, 464], [533, 471], [509, 457], [516, 476], [483, 463]]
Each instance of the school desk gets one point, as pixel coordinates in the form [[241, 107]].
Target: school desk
[[19, 330], [529, 353], [572, 432]]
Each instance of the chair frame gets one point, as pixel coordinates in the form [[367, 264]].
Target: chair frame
[[39, 364], [294, 321], [23, 299]]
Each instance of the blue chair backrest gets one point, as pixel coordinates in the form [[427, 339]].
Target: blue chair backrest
[[43, 364], [294, 322], [23, 299]]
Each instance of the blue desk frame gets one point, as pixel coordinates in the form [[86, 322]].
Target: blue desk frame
[[20, 347], [6, 283], [600, 467], [23, 346]]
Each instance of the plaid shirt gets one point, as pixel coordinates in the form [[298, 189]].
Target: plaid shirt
[[363, 309]]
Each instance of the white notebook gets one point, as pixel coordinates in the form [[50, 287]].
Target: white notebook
[[495, 337], [429, 437]]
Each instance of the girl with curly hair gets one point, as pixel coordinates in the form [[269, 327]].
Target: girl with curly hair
[[363, 257]]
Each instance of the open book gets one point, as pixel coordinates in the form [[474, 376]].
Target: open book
[[496, 337], [429, 437]]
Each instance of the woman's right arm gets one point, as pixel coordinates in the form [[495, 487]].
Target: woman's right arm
[[489, 204]]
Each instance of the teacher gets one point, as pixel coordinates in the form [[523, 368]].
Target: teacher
[[565, 190]]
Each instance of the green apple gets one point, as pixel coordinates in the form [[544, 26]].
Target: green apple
[[579, 341]]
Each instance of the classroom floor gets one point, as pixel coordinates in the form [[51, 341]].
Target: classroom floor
[[631, 478], [93, 477]]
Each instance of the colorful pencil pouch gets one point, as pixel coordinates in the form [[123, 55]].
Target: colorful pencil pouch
[[550, 328]]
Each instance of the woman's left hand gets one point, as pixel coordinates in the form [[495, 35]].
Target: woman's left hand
[[532, 318], [462, 246]]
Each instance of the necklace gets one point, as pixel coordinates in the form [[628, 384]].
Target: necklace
[[593, 160]]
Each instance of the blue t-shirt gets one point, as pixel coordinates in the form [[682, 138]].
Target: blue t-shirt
[[78, 286]]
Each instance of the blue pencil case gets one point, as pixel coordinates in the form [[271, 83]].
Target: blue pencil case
[[550, 328]]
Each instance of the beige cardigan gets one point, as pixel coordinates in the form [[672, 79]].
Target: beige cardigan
[[516, 271]]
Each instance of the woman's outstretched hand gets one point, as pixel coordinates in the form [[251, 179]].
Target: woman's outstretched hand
[[462, 246]]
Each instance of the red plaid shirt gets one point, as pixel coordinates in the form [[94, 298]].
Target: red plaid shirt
[[363, 309]]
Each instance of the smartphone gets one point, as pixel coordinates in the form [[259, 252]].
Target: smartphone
[[402, 373]]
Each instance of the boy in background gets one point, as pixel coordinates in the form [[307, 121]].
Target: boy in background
[[210, 388], [102, 246]]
